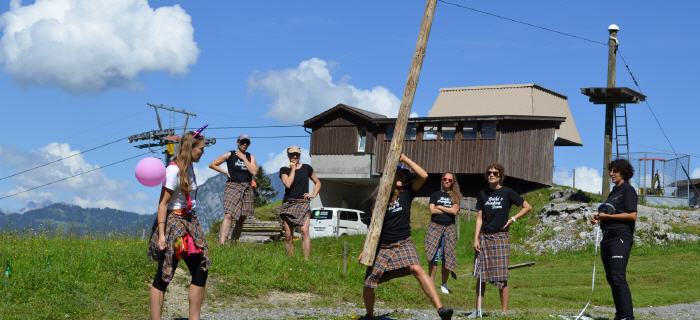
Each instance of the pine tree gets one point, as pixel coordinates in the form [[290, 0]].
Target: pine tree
[[264, 193]]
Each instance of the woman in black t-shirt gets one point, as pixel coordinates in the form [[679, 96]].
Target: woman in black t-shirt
[[618, 233], [238, 190], [441, 238], [295, 210], [396, 253], [491, 234]]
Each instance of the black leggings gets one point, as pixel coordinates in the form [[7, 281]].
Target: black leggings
[[615, 252], [199, 276]]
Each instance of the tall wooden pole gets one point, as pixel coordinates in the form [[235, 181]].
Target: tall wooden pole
[[392, 159], [609, 108]]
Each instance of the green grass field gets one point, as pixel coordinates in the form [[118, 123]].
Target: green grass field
[[86, 278]]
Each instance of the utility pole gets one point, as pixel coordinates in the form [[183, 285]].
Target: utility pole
[[392, 159], [164, 137], [609, 107], [611, 96]]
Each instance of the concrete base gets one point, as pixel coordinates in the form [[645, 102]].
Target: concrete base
[[345, 193]]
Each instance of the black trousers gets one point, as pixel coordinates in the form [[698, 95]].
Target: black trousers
[[199, 276], [615, 252]]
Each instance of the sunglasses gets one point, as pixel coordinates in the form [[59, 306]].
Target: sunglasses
[[447, 180], [294, 155], [493, 173], [244, 141]]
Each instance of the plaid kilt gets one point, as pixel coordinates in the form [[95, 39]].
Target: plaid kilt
[[432, 244], [392, 261], [295, 212], [176, 227], [492, 263], [238, 199]]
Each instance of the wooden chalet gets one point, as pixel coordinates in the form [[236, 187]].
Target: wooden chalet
[[349, 146]]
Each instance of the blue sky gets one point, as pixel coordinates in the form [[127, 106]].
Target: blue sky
[[77, 85]]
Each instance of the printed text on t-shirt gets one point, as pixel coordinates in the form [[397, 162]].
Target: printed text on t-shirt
[[444, 201], [495, 202]]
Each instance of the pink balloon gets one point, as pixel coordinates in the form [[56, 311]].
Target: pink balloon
[[150, 172]]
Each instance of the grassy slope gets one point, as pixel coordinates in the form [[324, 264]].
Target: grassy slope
[[83, 278]]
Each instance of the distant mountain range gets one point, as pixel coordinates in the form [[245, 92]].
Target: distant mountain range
[[210, 198], [64, 218]]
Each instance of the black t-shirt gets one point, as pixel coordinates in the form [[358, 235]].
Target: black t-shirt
[[624, 199], [441, 198], [237, 169], [300, 185], [397, 219], [495, 206]]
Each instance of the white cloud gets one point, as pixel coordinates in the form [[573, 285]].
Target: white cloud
[[309, 89], [695, 174], [88, 46], [280, 160], [587, 179], [92, 189]]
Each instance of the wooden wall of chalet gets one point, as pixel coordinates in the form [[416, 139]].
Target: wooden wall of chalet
[[437, 156], [339, 136], [526, 150]]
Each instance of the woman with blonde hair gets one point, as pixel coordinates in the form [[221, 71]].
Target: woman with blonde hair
[[177, 233], [295, 210], [441, 238]]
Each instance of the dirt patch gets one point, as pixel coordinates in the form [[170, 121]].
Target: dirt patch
[[176, 302], [279, 298]]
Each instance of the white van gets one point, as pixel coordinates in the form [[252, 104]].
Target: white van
[[331, 222]]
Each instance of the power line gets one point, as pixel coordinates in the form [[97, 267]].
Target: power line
[[253, 127], [73, 176], [264, 137], [523, 22], [658, 122], [61, 159]]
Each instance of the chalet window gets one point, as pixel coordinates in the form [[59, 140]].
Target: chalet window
[[430, 132], [448, 132], [361, 139], [389, 132], [488, 130], [411, 130], [469, 131]]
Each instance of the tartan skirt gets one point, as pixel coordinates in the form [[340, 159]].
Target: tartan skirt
[[392, 261], [238, 199], [175, 227], [435, 233], [295, 212], [492, 262]]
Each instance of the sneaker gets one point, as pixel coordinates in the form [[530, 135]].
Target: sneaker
[[445, 289], [445, 313], [474, 314]]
